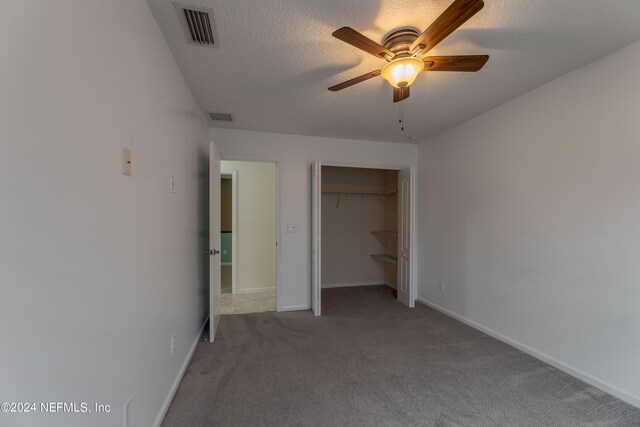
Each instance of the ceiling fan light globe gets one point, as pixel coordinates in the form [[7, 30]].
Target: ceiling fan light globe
[[402, 72]]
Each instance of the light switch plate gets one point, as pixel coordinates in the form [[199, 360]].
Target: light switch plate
[[292, 228], [126, 161]]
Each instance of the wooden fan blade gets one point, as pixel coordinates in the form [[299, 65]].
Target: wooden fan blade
[[401, 94], [354, 81], [354, 38], [457, 14], [469, 63]]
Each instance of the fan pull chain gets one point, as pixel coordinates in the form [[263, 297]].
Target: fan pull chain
[[401, 119]]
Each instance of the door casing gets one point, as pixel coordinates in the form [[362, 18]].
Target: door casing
[[412, 217]]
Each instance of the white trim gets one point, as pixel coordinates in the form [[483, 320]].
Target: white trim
[[255, 290], [414, 233], [125, 413], [295, 308], [589, 379], [316, 238], [352, 285], [174, 387], [234, 231]]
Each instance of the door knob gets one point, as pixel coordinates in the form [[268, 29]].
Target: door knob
[[216, 252], [212, 252]]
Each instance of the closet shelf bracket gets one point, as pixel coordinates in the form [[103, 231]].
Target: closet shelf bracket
[[385, 258]]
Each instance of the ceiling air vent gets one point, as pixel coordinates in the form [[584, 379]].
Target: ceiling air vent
[[221, 117], [198, 25]]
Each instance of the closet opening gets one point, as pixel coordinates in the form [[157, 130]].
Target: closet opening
[[362, 230], [359, 227]]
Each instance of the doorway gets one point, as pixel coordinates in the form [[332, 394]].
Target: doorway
[[248, 213], [228, 223], [362, 230]]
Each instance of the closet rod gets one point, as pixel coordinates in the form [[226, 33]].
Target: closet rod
[[352, 193], [383, 196]]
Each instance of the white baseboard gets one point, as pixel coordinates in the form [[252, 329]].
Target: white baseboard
[[351, 285], [589, 379], [295, 308], [174, 387], [255, 290]]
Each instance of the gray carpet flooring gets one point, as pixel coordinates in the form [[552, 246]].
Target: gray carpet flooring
[[370, 361]]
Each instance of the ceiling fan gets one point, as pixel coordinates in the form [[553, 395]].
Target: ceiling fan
[[404, 50]]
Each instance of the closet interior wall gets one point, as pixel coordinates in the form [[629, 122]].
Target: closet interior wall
[[359, 218]]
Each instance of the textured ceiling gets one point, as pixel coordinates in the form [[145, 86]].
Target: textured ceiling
[[276, 58]]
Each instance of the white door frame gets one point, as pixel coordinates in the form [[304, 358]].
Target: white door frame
[[413, 213], [316, 246], [277, 161], [233, 174]]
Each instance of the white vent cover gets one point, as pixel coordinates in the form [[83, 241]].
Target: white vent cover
[[197, 24], [221, 117]]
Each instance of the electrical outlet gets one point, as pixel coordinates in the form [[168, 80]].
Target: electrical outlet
[[173, 343], [441, 286], [224, 252], [292, 228]]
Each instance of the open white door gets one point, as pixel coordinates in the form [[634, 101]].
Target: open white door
[[214, 241], [316, 197], [405, 237]]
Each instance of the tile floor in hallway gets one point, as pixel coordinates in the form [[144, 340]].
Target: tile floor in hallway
[[226, 283], [243, 303], [248, 303]]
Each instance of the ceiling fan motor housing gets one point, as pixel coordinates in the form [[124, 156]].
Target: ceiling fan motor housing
[[399, 41]]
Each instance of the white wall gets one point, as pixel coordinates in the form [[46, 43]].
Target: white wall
[[256, 225], [97, 270], [530, 214], [293, 153]]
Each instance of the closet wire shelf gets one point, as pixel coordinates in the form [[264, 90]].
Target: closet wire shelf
[[384, 196], [385, 258], [385, 233]]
